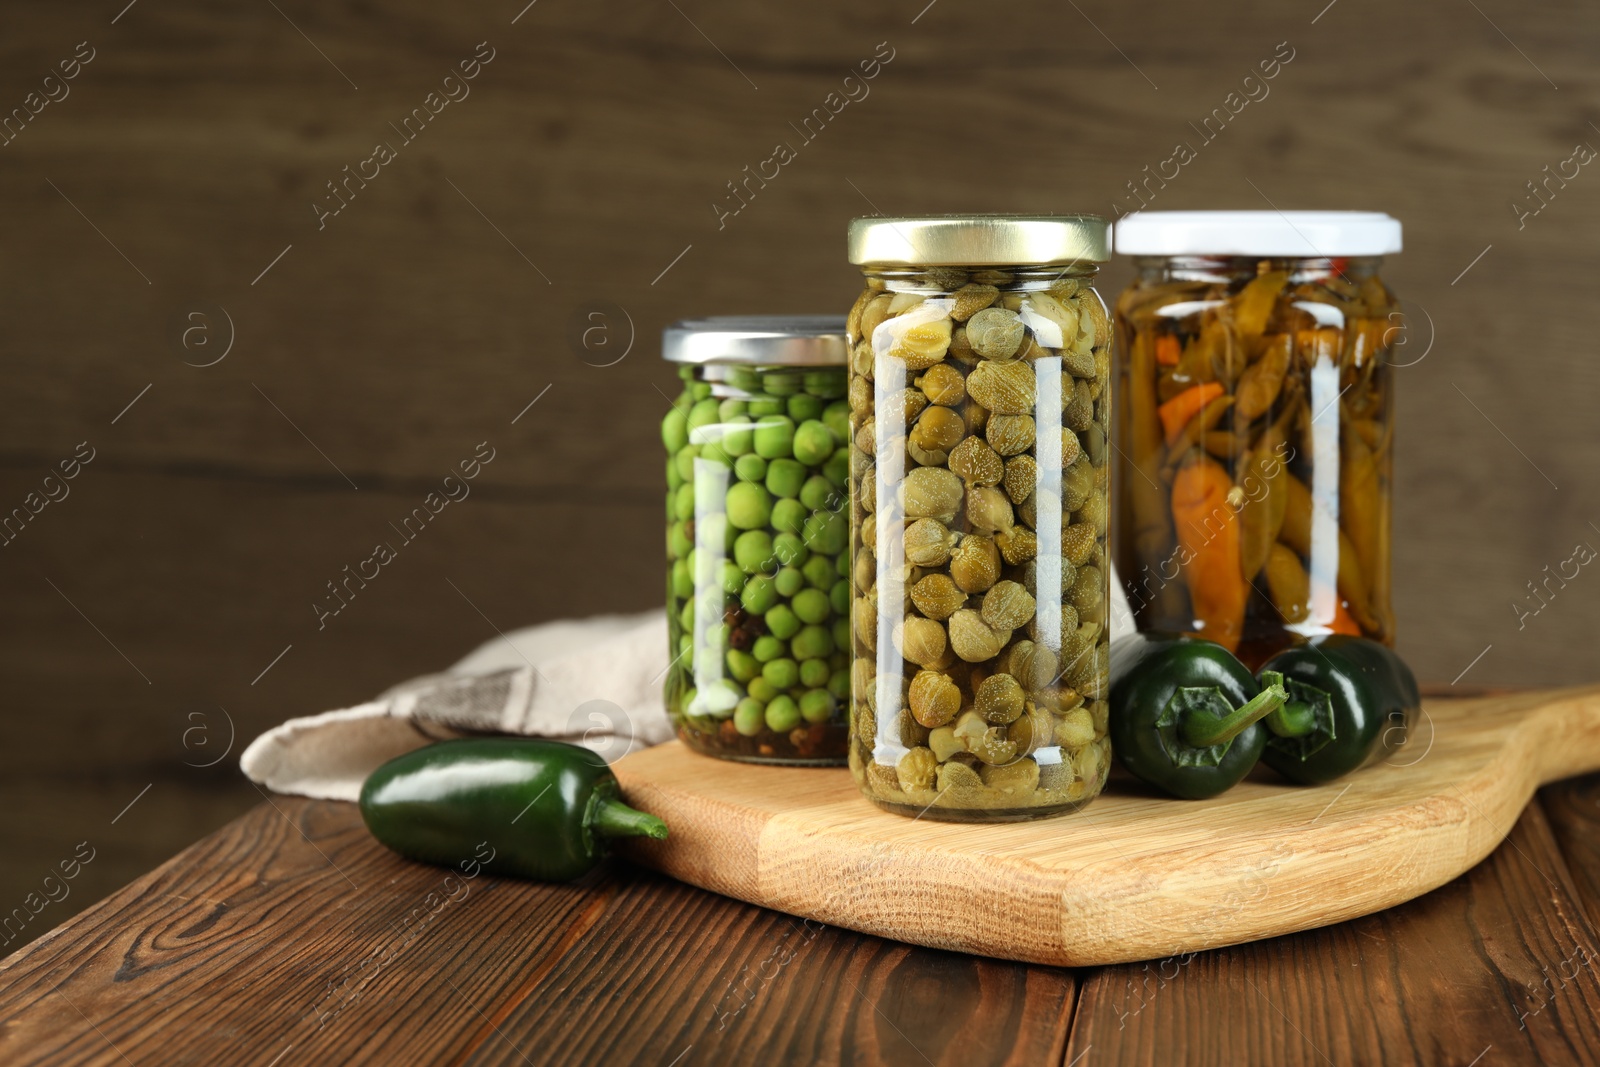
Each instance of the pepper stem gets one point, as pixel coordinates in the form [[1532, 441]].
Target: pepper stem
[[1203, 731], [1294, 719], [613, 818]]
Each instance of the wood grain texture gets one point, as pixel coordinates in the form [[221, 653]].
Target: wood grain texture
[[291, 937], [1495, 967], [1133, 876], [1573, 808]]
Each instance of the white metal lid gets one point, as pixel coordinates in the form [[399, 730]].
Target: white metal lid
[[1257, 233]]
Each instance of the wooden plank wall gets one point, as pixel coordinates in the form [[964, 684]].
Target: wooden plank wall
[[579, 172]]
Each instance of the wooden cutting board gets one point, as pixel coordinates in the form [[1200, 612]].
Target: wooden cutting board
[[1132, 876]]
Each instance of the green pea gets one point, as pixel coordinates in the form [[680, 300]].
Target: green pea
[[839, 597], [802, 407], [708, 487], [683, 501], [750, 468], [841, 565], [813, 442], [789, 581], [789, 516], [749, 717], [688, 699], [760, 405], [768, 648], [750, 506], [812, 642], [684, 461], [704, 413], [732, 578], [716, 638], [813, 673], [711, 528], [783, 715], [811, 605], [827, 384], [753, 552], [744, 378], [824, 531], [789, 550], [737, 437], [730, 408], [774, 437], [782, 382], [743, 666], [682, 580], [686, 615], [762, 690], [841, 632], [710, 608], [781, 622], [686, 647], [719, 698], [836, 417], [712, 454], [785, 477], [783, 673], [759, 596], [817, 705], [817, 492], [700, 390], [674, 479], [686, 374], [675, 429], [837, 469], [678, 543], [819, 575], [839, 684]]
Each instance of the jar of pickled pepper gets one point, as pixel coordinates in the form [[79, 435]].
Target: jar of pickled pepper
[[1255, 438], [757, 537], [979, 398]]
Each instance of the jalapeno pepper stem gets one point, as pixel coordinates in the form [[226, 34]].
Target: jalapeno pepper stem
[[1203, 731], [1295, 719], [613, 818]]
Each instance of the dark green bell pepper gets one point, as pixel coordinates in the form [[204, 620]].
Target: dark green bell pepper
[[1351, 702], [1184, 713], [545, 807]]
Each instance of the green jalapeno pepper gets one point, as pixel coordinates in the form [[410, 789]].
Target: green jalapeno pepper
[[1351, 702], [1184, 713], [547, 808]]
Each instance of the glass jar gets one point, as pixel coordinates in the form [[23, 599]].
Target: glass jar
[[1254, 440], [979, 394], [757, 537]]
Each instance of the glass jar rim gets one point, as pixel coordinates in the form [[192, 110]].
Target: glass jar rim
[[781, 340]]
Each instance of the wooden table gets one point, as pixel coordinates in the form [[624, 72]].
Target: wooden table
[[289, 937]]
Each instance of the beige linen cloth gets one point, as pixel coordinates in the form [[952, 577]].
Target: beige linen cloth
[[594, 682]]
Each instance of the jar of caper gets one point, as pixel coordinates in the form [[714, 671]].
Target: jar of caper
[[979, 391], [1255, 439], [757, 538]]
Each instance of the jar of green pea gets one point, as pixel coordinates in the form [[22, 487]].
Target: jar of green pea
[[758, 530]]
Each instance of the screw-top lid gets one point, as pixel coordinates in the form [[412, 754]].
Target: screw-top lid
[[978, 240], [793, 340], [1319, 234]]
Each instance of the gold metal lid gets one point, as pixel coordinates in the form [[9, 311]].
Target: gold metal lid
[[978, 240]]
